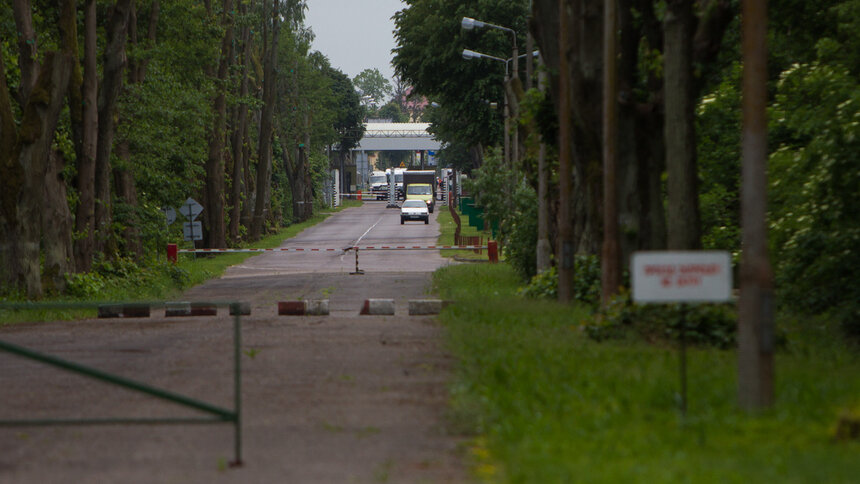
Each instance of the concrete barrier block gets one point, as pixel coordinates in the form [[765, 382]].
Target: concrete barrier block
[[292, 308], [317, 307], [203, 309], [173, 309], [379, 307], [123, 311], [421, 307]]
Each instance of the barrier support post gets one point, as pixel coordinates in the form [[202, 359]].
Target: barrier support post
[[493, 251], [357, 270], [172, 252]]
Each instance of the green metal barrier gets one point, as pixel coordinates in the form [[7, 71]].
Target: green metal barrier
[[217, 414]]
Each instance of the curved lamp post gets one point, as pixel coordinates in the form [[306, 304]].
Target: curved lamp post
[[468, 23]]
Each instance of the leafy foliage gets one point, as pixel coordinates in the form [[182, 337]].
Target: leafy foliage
[[703, 324], [816, 231], [717, 127], [372, 86], [586, 282], [429, 57]]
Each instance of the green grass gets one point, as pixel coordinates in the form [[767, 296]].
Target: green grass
[[545, 404], [154, 281], [446, 237]]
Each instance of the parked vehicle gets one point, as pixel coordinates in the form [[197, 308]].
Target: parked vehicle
[[414, 210], [379, 185]]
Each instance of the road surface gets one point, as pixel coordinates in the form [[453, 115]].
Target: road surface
[[338, 398]]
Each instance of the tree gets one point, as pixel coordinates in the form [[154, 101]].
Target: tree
[[641, 151], [25, 147], [428, 56], [214, 230], [114, 64], [83, 109], [814, 177], [393, 111], [271, 23], [684, 231], [372, 87]]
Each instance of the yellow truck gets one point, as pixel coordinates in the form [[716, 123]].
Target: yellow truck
[[421, 185]]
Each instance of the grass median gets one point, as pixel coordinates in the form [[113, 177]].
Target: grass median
[[544, 403]]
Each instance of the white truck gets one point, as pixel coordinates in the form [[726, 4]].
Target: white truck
[[379, 185]]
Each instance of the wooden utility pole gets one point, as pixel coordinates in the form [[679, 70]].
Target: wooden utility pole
[[565, 224], [755, 307], [611, 260]]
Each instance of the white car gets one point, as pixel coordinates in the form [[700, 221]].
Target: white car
[[414, 210]]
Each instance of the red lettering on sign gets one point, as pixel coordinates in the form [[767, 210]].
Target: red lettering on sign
[[687, 280], [659, 269], [703, 269]]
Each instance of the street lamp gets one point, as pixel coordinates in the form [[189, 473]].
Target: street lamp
[[471, 54], [468, 23]]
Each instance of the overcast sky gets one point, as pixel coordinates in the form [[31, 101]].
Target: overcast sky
[[354, 34]]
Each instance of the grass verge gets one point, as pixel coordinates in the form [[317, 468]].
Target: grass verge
[[121, 281], [446, 236], [546, 404]]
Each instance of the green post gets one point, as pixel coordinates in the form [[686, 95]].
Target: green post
[[237, 383]]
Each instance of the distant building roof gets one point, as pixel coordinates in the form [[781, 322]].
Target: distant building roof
[[397, 136]]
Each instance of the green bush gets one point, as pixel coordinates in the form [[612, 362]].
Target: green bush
[[85, 285], [521, 239], [706, 324], [586, 282]]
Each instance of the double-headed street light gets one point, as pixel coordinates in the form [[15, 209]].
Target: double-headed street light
[[469, 23]]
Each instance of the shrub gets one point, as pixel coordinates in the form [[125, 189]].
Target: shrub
[[706, 324], [586, 282]]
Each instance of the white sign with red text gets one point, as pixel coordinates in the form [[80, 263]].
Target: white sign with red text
[[681, 276]]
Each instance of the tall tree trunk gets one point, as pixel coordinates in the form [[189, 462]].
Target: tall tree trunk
[[114, 64], [27, 48], [682, 177], [642, 153], [585, 63], [239, 137], [58, 244], [213, 214], [298, 176], [265, 150], [126, 194], [56, 227], [86, 152], [123, 172], [23, 160]]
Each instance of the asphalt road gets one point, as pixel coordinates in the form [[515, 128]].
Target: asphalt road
[[338, 398]]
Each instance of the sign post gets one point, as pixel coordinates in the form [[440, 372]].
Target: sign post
[[192, 230], [681, 277]]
